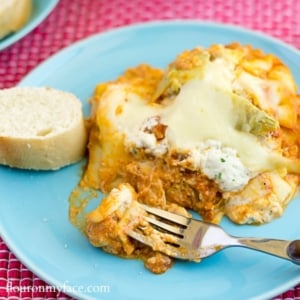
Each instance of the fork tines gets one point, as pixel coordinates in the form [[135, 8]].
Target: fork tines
[[180, 221], [168, 235]]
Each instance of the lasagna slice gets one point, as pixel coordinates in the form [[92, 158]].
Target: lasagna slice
[[217, 132]]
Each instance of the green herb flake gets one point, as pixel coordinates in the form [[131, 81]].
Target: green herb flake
[[223, 160], [219, 176]]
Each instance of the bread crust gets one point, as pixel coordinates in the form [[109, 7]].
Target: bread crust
[[45, 152], [14, 15]]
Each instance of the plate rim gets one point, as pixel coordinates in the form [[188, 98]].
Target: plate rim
[[31, 25], [10, 244]]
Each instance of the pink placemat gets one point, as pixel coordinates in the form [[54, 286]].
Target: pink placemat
[[73, 20]]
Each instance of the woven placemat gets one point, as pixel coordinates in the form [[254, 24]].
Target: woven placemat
[[73, 20]]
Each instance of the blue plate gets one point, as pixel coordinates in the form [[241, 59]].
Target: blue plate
[[34, 205], [41, 9]]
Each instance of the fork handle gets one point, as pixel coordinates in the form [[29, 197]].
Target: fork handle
[[289, 250]]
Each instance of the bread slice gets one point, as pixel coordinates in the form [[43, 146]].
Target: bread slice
[[40, 128], [14, 14]]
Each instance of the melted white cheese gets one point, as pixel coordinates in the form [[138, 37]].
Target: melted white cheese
[[265, 91], [200, 112], [220, 72], [123, 194], [141, 138]]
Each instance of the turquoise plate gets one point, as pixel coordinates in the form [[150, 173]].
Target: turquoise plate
[[34, 205], [41, 9]]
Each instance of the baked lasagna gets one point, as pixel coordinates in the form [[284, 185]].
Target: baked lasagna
[[216, 132]]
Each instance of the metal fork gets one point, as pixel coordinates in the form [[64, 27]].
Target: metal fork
[[190, 239]]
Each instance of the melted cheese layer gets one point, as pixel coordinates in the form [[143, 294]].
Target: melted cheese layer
[[200, 112]]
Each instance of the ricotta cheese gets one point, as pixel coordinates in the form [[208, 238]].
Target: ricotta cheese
[[221, 164], [142, 137]]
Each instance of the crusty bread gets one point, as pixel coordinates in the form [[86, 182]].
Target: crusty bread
[[40, 128], [14, 14]]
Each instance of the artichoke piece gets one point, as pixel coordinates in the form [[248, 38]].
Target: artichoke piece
[[188, 65], [252, 119], [192, 65]]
